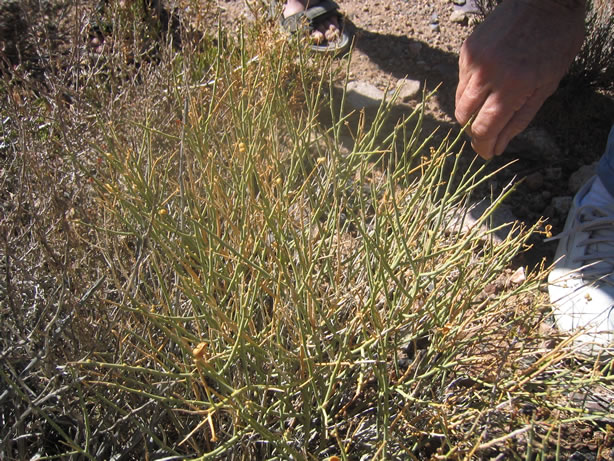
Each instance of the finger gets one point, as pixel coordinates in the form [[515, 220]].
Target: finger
[[499, 108], [473, 87], [470, 98], [521, 119], [492, 118], [460, 89], [484, 147], [458, 114], [463, 74]]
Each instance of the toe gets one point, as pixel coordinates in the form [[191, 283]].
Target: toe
[[332, 33], [318, 37], [334, 21]]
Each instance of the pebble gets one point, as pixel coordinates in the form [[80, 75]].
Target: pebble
[[458, 17], [577, 179], [467, 6], [361, 94], [518, 276], [582, 456], [553, 173], [501, 218], [534, 181], [535, 142], [537, 203], [561, 205], [414, 48], [408, 89]]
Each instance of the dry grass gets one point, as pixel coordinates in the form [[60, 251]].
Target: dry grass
[[594, 66], [194, 266]]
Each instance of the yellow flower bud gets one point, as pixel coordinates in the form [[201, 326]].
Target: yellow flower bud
[[199, 350]]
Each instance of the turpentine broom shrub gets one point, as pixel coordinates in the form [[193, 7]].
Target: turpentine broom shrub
[[239, 284]]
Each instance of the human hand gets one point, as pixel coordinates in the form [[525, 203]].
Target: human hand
[[511, 63]]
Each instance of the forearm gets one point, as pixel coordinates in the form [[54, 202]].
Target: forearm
[[578, 6], [573, 4]]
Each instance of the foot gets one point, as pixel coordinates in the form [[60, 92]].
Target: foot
[[326, 31], [581, 285]]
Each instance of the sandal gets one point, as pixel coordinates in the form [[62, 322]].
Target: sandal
[[312, 16]]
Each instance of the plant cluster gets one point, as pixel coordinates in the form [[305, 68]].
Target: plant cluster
[[194, 265]]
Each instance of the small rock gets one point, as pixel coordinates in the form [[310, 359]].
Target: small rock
[[465, 219], [537, 203], [561, 204], [362, 94], [467, 6], [414, 48], [534, 181], [435, 27], [522, 210], [582, 456], [546, 194], [577, 179], [459, 2], [408, 89], [490, 289], [423, 65], [535, 142], [549, 212], [554, 173], [518, 276], [458, 17], [445, 68]]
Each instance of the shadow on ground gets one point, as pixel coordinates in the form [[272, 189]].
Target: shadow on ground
[[404, 57]]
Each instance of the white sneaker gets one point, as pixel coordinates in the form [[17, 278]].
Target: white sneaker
[[581, 285]]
